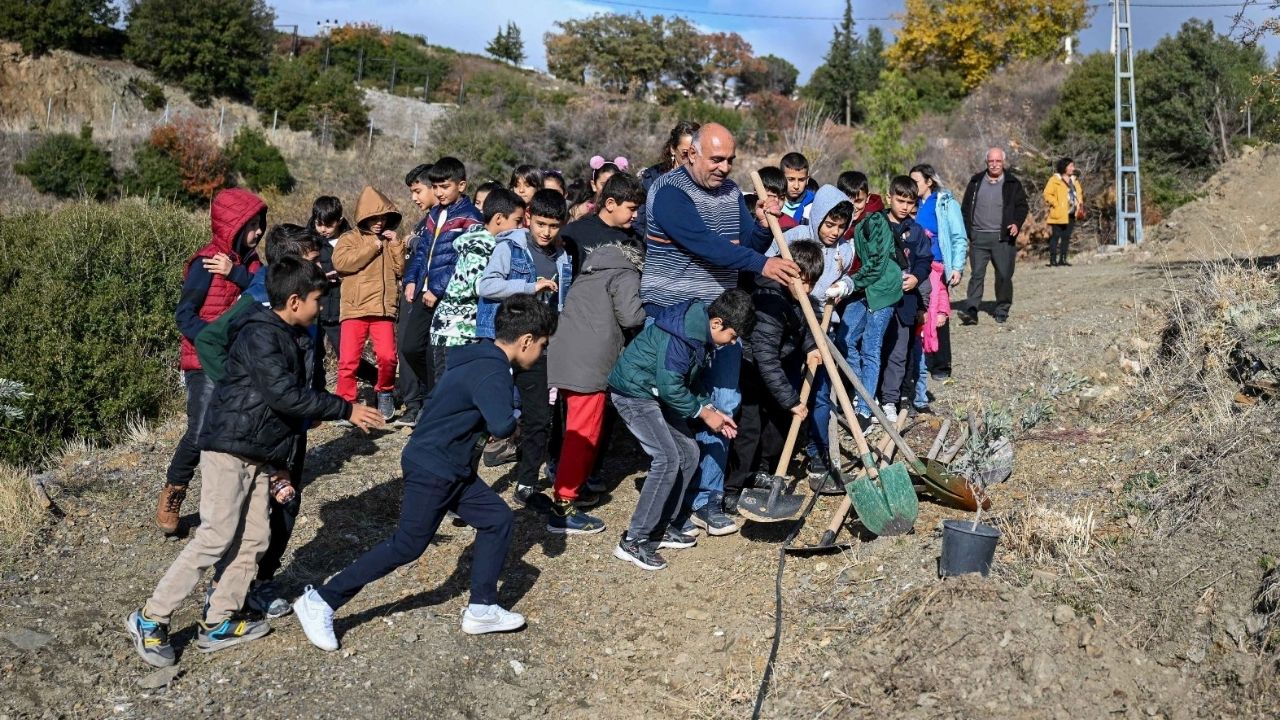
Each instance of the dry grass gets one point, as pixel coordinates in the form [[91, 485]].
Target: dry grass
[[1044, 536], [20, 510], [74, 453]]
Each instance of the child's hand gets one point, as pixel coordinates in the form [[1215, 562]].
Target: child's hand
[[219, 264], [430, 299], [940, 320], [545, 285], [800, 411], [281, 487], [365, 417], [909, 282], [390, 236], [728, 428], [835, 291], [408, 292], [954, 280]]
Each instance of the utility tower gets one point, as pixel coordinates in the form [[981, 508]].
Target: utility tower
[[1128, 173]]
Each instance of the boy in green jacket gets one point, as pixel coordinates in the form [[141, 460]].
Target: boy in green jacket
[[877, 287], [653, 387]]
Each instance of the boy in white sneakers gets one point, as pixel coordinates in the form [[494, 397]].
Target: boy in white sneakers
[[472, 400]]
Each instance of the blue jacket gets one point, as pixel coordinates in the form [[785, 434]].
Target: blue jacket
[[666, 360], [433, 259], [915, 240], [473, 398], [801, 205], [511, 271], [952, 240]]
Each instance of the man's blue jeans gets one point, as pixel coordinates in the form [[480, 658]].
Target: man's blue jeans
[[864, 337], [721, 381]]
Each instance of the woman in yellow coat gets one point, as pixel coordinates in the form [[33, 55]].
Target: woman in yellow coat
[[1063, 197]]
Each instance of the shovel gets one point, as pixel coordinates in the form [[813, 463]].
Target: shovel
[[946, 486], [770, 504], [885, 500]]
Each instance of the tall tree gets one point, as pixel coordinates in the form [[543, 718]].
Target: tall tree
[[623, 53], [889, 108], [507, 45], [43, 25], [210, 48], [974, 37], [769, 74], [851, 67]]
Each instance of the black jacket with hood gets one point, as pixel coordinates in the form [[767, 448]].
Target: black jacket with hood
[[264, 401]]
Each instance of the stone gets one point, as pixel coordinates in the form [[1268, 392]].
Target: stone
[[410, 637], [159, 678], [696, 614], [1063, 614], [517, 667], [28, 640]]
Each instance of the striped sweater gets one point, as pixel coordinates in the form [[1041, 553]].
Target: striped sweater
[[699, 240]]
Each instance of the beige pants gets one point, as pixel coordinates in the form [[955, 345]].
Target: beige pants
[[233, 534]]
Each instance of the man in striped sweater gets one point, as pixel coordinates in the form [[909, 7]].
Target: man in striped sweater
[[700, 236]]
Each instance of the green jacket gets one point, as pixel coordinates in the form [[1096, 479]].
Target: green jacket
[[666, 359], [880, 276], [213, 344]]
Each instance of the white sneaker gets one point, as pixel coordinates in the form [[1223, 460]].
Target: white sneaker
[[891, 412], [317, 619], [493, 619]]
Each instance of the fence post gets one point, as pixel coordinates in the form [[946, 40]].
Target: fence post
[[113, 116], [275, 118], [360, 67], [462, 90], [222, 116], [370, 143], [48, 114], [166, 112], [392, 89], [324, 127], [415, 136], [426, 80]]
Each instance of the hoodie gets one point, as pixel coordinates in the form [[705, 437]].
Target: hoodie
[[836, 259], [473, 399], [592, 330], [666, 359], [205, 296], [799, 210], [369, 265]]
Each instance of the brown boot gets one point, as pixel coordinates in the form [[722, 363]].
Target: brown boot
[[170, 507]]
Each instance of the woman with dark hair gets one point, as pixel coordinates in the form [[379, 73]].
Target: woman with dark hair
[[675, 152], [1065, 202]]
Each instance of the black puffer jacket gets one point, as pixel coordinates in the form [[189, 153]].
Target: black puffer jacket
[[264, 402], [780, 340]]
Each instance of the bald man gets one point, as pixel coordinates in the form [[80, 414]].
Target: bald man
[[994, 208], [700, 236]]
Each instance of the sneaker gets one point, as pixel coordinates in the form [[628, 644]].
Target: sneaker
[[640, 553], [490, 618], [169, 509], [925, 409], [891, 412], [316, 618], [676, 540], [941, 376], [686, 527], [150, 639], [1002, 319], [264, 598], [730, 503], [454, 519], [235, 630], [530, 497], [968, 317], [344, 423], [595, 485], [500, 452], [711, 517], [586, 498], [407, 420], [818, 467], [387, 405], [866, 423], [566, 519]]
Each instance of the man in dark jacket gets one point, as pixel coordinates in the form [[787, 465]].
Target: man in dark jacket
[[772, 361], [472, 400], [994, 208], [253, 422]]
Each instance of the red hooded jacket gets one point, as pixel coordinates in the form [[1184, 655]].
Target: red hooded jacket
[[230, 211]]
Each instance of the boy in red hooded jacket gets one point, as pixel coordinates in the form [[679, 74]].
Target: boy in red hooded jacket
[[209, 287]]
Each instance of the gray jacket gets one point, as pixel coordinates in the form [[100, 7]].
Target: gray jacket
[[605, 301]]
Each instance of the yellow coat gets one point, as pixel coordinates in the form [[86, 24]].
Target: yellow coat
[[1058, 199], [370, 268]]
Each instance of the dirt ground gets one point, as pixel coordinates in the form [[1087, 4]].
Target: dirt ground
[[1092, 610]]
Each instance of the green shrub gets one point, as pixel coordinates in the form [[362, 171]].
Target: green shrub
[[179, 162], [326, 103], [69, 166], [710, 112], [87, 295], [152, 95], [155, 174], [259, 162]]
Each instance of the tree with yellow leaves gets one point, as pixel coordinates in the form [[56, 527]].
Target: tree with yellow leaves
[[974, 37]]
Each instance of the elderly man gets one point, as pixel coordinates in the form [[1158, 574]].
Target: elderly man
[[994, 208], [700, 236]]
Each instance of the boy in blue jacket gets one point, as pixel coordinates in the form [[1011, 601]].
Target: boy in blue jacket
[[915, 256], [472, 400], [654, 386]]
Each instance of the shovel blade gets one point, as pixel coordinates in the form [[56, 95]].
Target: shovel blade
[[949, 488], [887, 506], [754, 505]]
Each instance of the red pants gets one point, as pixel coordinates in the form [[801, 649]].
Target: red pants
[[584, 421], [354, 333]]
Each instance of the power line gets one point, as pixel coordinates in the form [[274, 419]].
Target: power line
[[760, 16]]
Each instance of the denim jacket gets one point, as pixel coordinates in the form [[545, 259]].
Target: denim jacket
[[511, 271]]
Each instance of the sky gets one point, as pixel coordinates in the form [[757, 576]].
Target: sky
[[470, 25]]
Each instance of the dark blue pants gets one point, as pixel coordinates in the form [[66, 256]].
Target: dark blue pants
[[426, 499], [186, 457]]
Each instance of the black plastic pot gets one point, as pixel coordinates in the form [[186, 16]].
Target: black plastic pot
[[967, 549]]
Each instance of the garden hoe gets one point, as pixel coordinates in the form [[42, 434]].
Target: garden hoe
[[885, 500], [771, 503]]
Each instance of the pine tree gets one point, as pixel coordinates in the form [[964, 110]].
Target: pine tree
[[507, 45], [850, 67]]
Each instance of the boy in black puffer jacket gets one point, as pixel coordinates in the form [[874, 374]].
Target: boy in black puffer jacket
[[770, 375], [253, 421]]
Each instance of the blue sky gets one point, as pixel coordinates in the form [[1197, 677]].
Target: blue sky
[[469, 26]]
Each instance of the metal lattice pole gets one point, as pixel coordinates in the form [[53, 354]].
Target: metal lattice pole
[[1128, 173]]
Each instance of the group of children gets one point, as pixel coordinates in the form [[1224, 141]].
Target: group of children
[[504, 362]]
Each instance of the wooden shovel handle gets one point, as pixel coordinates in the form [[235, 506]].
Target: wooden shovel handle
[[805, 387], [870, 400], [938, 441], [824, 349], [846, 503]]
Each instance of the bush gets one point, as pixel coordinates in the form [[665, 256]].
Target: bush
[[152, 95], [179, 162], [80, 25], [67, 165], [259, 162], [325, 103], [65, 278]]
